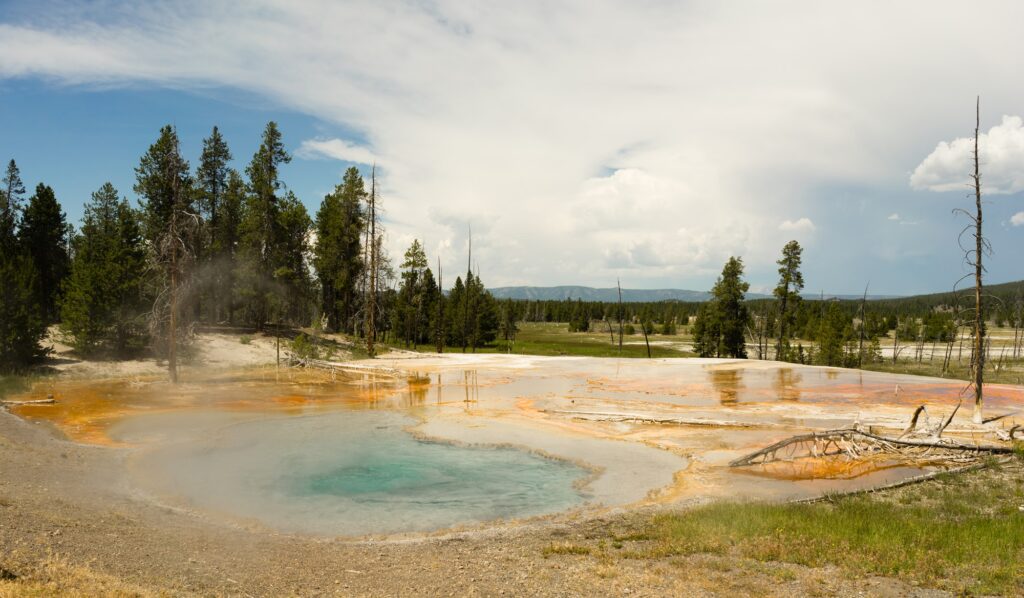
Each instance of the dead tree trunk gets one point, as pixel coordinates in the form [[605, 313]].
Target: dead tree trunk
[[860, 345], [979, 250], [439, 332], [896, 341], [618, 285], [371, 325], [643, 326], [465, 298], [172, 340]]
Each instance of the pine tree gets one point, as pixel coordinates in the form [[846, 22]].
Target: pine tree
[[340, 223], [261, 233], [292, 273], [508, 325], [721, 325], [163, 183], [791, 282], [411, 315], [833, 332], [455, 314], [104, 303], [706, 332], [212, 188], [43, 237], [172, 230], [11, 196], [431, 297], [22, 325], [225, 238]]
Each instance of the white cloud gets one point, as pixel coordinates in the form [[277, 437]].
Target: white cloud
[[1017, 219], [336, 149], [573, 145], [803, 225], [893, 216], [1001, 152]]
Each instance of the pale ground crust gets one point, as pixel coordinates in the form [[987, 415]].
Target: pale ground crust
[[75, 504], [71, 502]]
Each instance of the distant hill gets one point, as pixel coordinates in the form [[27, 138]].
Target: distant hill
[[611, 295], [591, 294], [1006, 294]]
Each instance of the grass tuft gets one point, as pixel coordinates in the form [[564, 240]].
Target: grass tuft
[[565, 548], [962, 537]]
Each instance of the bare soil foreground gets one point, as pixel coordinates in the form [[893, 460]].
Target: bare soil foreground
[[75, 521]]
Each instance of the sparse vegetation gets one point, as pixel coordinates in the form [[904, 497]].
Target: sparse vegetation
[[565, 548], [962, 533]]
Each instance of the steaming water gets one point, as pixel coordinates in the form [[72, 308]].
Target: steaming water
[[327, 453], [359, 473]]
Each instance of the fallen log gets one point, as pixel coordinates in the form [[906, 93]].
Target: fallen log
[[339, 366], [819, 442], [609, 416], [891, 486], [33, 402]]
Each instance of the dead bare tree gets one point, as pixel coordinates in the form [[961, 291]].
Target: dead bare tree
[[468, 291], [957, 323], [173, 256], [439, 332], [896, 341], [643, 326], [1018, 337], [618, 285], [974, 257], [371, 299], [860, 344]]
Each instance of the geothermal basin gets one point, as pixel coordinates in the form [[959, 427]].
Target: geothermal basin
[[416, 444]]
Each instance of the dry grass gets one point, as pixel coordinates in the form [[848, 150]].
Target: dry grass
[[565, 548], [55, 577]]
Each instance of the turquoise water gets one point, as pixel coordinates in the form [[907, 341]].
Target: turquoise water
[[355, 473]]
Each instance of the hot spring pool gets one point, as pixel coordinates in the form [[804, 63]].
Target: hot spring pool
[[354, 473]]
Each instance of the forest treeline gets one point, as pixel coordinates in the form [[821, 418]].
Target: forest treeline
[[790, 326], [215, 246]]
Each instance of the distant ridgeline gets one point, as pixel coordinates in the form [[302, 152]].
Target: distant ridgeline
[[566, 303], [611, 295]]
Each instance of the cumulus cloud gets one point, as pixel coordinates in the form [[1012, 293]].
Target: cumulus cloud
[[335, 149], [893, 216], [585, 146], [1017, 219], [802, 225], [1001, 152]]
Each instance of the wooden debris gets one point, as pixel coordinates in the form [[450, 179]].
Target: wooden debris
[[34, 402], [856, 444], [338, 366], [611, 416]]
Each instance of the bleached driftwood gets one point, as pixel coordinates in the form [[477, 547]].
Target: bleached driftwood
[[339, 366], [611, 416], [926, 429], [855, 443], [924, 477], [33, 402]]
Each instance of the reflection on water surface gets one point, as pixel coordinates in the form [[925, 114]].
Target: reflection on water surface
[[600, 412]]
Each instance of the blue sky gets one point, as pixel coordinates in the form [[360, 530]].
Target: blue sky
[[578, 150], [75, 139]]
